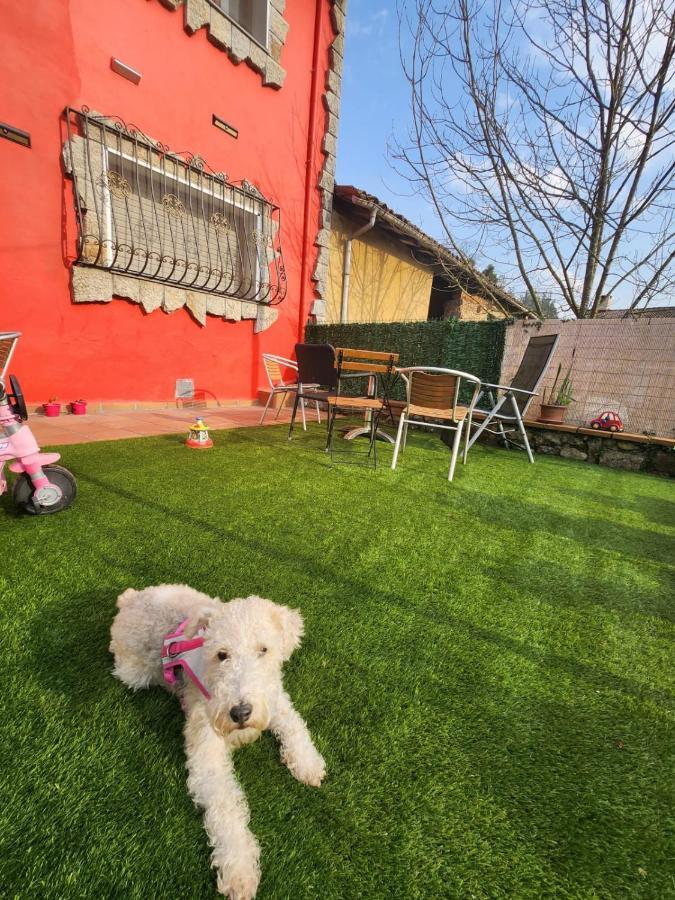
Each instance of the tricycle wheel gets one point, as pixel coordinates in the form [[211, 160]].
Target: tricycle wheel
[[62, 478]]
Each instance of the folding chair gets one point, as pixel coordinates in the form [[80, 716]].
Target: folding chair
[[376, 366], [317, 376], [509, 410], [433, 394], [274, 366]]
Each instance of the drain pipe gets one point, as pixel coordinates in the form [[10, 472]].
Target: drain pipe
[[347, 265]]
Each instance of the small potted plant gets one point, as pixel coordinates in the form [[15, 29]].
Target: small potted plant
[[52, 407], [78, 407], [554, 407]]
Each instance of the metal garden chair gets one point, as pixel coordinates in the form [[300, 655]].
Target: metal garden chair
[[317, 376], [508, 410], [433, 400], [274, 366]]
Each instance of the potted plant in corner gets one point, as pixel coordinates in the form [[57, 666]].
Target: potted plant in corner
[[554, 407], [52, 407], [78, 407]]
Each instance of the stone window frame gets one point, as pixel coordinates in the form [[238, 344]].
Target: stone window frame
[[99, 282], [240, 46], [258, 5]]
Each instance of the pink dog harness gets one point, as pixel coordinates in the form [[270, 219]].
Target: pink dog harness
[[179, 652]]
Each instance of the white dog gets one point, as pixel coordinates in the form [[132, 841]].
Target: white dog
[[234, 692]]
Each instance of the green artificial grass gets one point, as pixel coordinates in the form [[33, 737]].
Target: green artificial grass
[[487, 669]]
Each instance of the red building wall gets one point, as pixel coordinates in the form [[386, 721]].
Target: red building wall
[[57, 54]]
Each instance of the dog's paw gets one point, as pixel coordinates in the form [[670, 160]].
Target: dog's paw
[[238, 882], [309, 769]]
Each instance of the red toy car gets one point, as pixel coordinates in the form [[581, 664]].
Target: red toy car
[[607, 421]]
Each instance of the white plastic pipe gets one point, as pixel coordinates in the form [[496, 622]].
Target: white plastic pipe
[[347, 264]]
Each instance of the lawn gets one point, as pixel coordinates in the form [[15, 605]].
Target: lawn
[[487, 669]]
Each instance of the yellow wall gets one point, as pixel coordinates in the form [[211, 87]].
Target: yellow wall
[[385, 285]]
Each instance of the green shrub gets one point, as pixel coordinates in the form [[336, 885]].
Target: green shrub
[[474, 347]]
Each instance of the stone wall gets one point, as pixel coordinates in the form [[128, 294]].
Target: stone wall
[[331, 101], [632, 456], [613, 452]]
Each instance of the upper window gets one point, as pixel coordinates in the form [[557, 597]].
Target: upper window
[[146, 212], [251, 15]]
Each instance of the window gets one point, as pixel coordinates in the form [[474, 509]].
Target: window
[[251, 15], [147, 212], [167, 222]]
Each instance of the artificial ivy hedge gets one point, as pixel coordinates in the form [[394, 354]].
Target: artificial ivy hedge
[[475, 347]]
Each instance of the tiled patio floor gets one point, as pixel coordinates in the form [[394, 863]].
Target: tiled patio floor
[[110, 426]]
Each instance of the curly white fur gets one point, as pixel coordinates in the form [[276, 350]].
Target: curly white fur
[[246, 642]]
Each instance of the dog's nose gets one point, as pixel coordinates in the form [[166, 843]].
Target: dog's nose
[[241, 712]]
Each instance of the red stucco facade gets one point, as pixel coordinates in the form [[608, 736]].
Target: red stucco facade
[[57, 54]]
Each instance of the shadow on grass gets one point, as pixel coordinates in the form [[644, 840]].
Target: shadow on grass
[[586, 589], [657, 509], [352, 588]]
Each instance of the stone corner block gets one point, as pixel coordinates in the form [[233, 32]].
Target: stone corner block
[[318, 309], [215, 306], [274, 74], [249, 310], [91, 285], [220, 32], [174, 298], [151, 295], [197, 15], [266, 317], [232, 310], [196, 303], [127, 287]]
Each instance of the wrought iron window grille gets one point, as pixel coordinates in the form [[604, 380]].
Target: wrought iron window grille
[[145, 211]]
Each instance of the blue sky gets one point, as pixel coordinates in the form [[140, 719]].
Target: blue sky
[[375, 107]]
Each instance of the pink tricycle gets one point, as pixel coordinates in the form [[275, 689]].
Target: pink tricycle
[[41, 487]]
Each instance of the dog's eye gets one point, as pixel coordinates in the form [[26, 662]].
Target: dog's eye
[[223, 655], [262, 651]]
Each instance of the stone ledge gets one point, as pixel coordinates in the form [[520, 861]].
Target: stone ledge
[[592, 432], [93, 285], [633, 453]]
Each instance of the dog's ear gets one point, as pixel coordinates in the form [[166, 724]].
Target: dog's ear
[[291, 625], [200, 618]]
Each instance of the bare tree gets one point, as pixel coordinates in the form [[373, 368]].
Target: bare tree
[[547, 126]]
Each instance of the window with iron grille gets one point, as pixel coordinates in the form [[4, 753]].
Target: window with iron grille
[[144, 211], [251, 15]]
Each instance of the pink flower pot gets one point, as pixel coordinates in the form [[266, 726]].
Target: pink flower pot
[[52, 409], [79, 407]]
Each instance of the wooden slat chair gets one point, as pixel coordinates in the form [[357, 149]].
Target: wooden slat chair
[[378, 367], [433, 394]]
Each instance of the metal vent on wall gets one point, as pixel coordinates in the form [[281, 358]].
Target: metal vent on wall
[[147, 212]]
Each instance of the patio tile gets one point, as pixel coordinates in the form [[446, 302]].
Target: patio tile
[[110, 426]]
